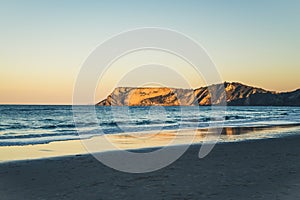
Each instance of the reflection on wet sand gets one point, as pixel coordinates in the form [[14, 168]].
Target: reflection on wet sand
[[141, 140], [243, 130], [163, 138]]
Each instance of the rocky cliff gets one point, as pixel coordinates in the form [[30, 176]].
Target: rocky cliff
[[236, 94]]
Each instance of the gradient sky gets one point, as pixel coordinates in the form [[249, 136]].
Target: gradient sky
[[44, 43]]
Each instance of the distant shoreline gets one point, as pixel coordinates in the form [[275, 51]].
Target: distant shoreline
[[227, 93]]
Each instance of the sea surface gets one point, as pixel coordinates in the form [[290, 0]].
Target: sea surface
[[38, 124]]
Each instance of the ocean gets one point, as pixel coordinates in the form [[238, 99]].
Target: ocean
[[39, 124]]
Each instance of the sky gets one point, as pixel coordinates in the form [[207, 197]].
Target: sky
[[45, 43]]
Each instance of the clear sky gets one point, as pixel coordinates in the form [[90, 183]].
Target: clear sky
[[44, 43]]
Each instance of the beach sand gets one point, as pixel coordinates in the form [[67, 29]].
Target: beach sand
[[260, 169]]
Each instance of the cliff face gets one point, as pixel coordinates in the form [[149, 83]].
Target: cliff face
[[149, 96], [236, 94]]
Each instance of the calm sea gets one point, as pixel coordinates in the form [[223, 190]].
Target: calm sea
[[34, 124]]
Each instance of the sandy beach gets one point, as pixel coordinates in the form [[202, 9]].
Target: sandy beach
[[261, 169]]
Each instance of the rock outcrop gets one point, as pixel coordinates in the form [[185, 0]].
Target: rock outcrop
[[236, 94]]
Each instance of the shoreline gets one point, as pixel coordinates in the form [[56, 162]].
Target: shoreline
[[148, 149], [141, 141], [262, 169]]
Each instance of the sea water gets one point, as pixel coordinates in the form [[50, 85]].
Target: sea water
[[38, 124]]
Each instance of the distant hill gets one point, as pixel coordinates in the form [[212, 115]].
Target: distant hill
[[237, 94]]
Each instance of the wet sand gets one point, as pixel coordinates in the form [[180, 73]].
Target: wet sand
[[260, 169], [128, 141]]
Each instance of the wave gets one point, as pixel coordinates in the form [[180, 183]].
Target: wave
[[57, 126], [33, 124], [43, 127], [15, 126], [5, 137], [233, 117], [32, 139]]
